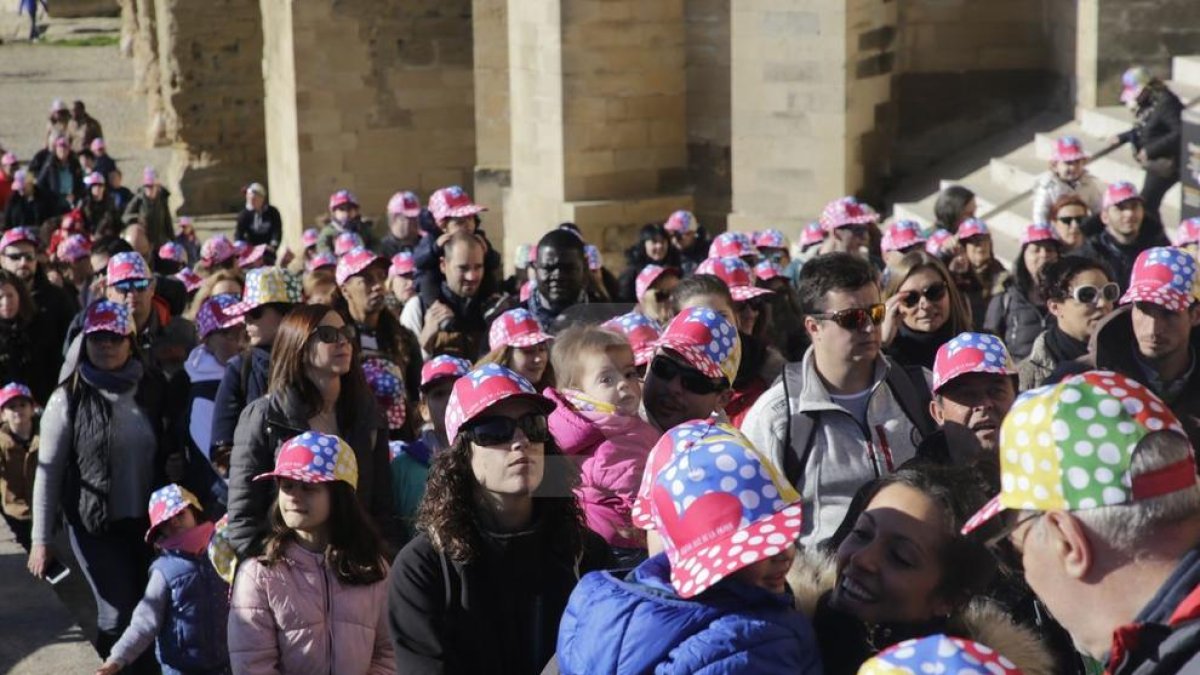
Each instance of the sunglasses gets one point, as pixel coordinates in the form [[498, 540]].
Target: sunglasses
[[934, 293], [331, 336], [20, 257], [500, 430], [1072, 220], [131, 285], [857, 318], [690, 378], [1090, 294]]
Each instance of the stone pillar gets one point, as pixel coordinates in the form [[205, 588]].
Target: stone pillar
[[809, 79], [708, 103], [493, 138], [145, 68], [1115, 34], [598, 118], [210, 72], [371, 95]]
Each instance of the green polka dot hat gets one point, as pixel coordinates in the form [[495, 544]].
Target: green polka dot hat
[[1069, 446]]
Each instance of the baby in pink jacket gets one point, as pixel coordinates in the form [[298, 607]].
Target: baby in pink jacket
[[597, 422]]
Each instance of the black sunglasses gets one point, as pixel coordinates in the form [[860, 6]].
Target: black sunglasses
[[500, 430], [857, 318], [1072, 220], [691, 379], [933, 293], [330, 335], [131, 285]]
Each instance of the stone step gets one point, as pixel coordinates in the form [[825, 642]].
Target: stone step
[[1105, 121], [1044, 142], [1186, 69]]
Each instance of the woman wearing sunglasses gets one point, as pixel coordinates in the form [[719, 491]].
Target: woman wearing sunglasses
[[1068, 215], [924, 310], [317, 384], [501, 544], [1079, 293]]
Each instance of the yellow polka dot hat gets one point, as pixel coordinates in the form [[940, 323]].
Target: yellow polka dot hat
[[1069, 446]]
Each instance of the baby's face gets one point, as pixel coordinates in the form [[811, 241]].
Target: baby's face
[[769, 573], [610, 376]]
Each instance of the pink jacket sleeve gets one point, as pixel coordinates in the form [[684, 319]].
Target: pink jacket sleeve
[[383, 659], [253, 647]]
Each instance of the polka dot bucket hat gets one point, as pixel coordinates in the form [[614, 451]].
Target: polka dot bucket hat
[[770, 238], [452, 202], [190, 280], [126, 266], [971, 228], [253, 255], [938, 654], [387, 383], [641, 331], [846, 211], [214, 314], [484, 387], [267, 285], [732, 245], [719, 506], [443, 366], [217, 250], [346, 242], [679, 438], [971, 353], [680, 221], [168, 502], [313, 457], [647, 277], [106, 316], [706, 340], [736, 274], [516, 328], [1164, 276], [1069, 446], [901, 235], [812, 234], [356, 262], [320, 261]]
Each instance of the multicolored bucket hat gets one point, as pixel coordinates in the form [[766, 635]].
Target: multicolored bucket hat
[[12, 391], [1069, 446], [19, 235], [441, 367], [168, 502], [971, 353], [484, 387], [768, 270], [719, 506], [342, 198], [320, 261], [173, 252], [404, 203], [1118, 192], [938, 654], [73, 248], [356, 262], [127, 266], [642, 333], [387, 383], [737, 276], [732, 245], [680, 221], [452, 202], [310, 237], [1039, 232], [346, 242], [1164, 276], [267, 285], [313, 457], [1068, 149], [1188, 232], [706, 341], [901, 235], [679, 438], [770, 238], [218, 249], [812, 234], [971, 228], [516, 328], [214, 315], [847, 211], [403, 265], [106, 316], [646, 278], [190, 280], [221, 552], [594, 260], [940, 242]]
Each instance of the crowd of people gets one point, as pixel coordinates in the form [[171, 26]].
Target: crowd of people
[[878, 449]]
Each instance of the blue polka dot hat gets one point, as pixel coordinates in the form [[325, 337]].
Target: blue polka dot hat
[[313, 457], [939, 654]]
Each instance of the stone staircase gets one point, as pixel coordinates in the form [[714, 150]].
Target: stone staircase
[[1004, 187]]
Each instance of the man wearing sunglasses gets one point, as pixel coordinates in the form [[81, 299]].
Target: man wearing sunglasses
[[844, 414], [56, 307], [693, 368], [1127, 232]]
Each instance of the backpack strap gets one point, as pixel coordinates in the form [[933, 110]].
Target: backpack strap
[[800, 426], [913, 398]]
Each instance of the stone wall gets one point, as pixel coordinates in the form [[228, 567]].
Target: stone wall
[[708, 110], [146, 80], [1115, 34], [493, 138]]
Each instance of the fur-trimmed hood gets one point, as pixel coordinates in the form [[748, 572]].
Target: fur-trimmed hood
[[983, 620]]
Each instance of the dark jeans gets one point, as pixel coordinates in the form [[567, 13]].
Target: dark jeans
[[1154, 188]]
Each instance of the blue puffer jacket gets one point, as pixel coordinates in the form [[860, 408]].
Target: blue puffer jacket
[[639, 625]]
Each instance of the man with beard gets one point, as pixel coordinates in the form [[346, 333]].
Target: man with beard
[[845, 414], [561, 279], [1126, 232], [448, 318]]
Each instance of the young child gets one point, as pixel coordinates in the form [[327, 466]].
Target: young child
[[18, 458], [717, 599], [1068, 174], [316, 600], [642, 332], [185, 607], [517, 342], [597, 421]]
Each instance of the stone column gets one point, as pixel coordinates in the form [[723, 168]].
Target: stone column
[[371, 95], [810, 78], [145, 68], [598, 118], [493, 137]]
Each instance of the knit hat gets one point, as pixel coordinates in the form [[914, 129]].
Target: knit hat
[[971, 228], [443, 366], [452, 202], [732, 245], [647, 277], [970, 353], [387, 383], [1164, 276], [19, 235], [109, 317], [342, 198], [846, 211], [901, 235], [168, 502], [149, 176], [218, 249], [346, 242], [1069, 446], [73, 248], [313, 457], [938, 654], [320, 261], [680, 221], [770, 239], [1188, 232], [768, 270], [594, 259], [355, 262], [939, 242], [310, 237], [267, 285], [737, 276], [404, 203], [214, 314], [93, 178], [252, 256], [1068, 149], [642, 333], [516, 328], [173, 252], [13, 391], [403, 265], [190, 280], [706, 341], [484, 387], [1039, 232], [1118, 192], [126, 266]]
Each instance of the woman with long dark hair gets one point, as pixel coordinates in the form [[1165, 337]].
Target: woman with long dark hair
[[653, 247], [316, 384], [954, 204], [1018, 314], [23, 339], [924, 310], [502, 541]]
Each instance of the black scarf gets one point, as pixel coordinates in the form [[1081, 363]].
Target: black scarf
[[918, 348], [1063, 347]]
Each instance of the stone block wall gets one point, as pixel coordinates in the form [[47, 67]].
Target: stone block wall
[[707, 25], [146, 79], [1115, 34], [71, 9], [493, 137]]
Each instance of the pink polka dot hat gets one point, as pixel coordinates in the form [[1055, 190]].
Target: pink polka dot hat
[[847, 211], [901, 235], [1163, 276], [484, 387], [770, 238], [732, 245], [646, 278], [706, 341], [516, 328], [313, 457], [346, 242], [736, 274], [642, 332], [680, 221], [971, 353], [387, 383], [168, 502], [939, 654]]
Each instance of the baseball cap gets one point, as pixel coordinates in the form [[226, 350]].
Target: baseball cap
[[310, 237], [126, 266], [13, 391], [214, 314], [680, 221], [98, 144], [516, 328], [641, 331], [1133, 81], [770, 238], [970, 353], [706, 341], [482, 388], [107, 316], [1164, 276], [939, 654], [356, 262], [846, 211], [647, 277], [1068, 149], [93, 178], [168, 502], [387, 383], [267, 285], [1036, 232], [19, 235], [190, 280], [20, 178], [1069, 446], [812, 234], [443, 366], [73, 248], [346, 242], [256, 188], [403, 264], [1118, 192], [900, 235], [767, 270], [736, 274], [732, 245], [320, 261], [313, 457], [452, 202], [216, 250], [1188, 232], [404, 203], [172, 251], [342, 198], [971, 228], [149, 176], [939, 242]]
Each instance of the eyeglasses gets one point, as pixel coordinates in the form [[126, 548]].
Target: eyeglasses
[[856, 318], [933, 293], [19, 257], [1088, 295], [131, 285], [690, 378], [500, 430], [1072, 220], [1001, 544], [330, 335]]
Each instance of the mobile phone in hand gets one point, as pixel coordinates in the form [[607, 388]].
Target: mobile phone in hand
[[56, 572]]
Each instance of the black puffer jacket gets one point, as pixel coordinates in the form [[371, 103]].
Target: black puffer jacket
[[1015, 320], [1159, 124]]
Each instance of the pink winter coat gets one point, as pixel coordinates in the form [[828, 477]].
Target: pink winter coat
[[296, 617], [613, 450]]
